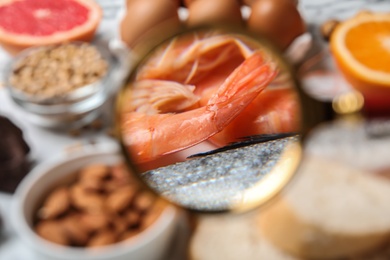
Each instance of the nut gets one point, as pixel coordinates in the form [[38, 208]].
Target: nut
[[132, 218], [112, 185], [102, 238], [75, 230], [95, 171], [92, 185], [49, 67], [119, 178], [85, 200], [120, 199], [52, 231], [119, 173], [102, 207], [120, 225], [144, 201], [94, 222], [56, 204], [327, 28], [91, 177]]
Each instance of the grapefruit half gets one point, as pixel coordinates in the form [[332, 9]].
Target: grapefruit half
[[26, 23]]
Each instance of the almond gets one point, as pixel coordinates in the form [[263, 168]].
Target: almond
[[102, 238], [56, 204], [120, 173], [144, 200], [120, 225], [51, 230], [87, 201], [132, 218], [94, 171], [120, 199], [111, 185], [94, 222], [75, 230]]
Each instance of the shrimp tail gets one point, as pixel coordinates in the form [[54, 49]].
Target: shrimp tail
[[240, 88]]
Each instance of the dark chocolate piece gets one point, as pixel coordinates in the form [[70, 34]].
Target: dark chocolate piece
[[14, 162]]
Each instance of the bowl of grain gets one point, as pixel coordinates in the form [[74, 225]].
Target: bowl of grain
[[87, 206], [60, 86]]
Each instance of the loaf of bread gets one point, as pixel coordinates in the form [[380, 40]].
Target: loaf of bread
[[232, 238], [329, 211]]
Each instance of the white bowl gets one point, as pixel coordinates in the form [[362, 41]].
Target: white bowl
[[152, 243]]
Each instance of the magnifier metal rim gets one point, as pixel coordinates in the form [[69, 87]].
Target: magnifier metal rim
[[307, 118]]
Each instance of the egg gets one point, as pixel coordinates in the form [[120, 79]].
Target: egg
[[187, 3], [216, 11], [146, 18], [250, 2], [278, 20], [176, 2]]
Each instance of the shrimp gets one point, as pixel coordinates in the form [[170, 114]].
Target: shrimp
[[188, 59], [150, 135]]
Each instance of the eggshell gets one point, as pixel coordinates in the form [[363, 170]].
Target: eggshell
[[279, 20], [250, 2], [176, 2], [187, 3], [216, 11], [144, 18]]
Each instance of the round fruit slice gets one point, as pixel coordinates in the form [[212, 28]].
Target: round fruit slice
[[26, 23], [361, 47]]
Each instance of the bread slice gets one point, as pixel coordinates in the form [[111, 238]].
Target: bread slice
[[232, 238], [329, 211]]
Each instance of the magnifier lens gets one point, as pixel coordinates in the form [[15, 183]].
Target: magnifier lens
[[209, 120]]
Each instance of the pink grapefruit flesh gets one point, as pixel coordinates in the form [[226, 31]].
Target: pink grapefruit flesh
[[26, 23]]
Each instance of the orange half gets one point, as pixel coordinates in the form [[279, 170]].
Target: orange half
[[361, 48]]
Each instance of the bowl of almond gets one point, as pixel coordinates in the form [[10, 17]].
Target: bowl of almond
[[88, 206]]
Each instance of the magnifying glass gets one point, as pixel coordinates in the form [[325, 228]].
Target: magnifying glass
[[212, 120]]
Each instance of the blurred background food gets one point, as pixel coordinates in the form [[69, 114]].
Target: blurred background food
[[360, 46], [145, 19], [88, 200], [280, 20], [60, 86], [14, 155], [104, 205], [344, 216], [35, 23], [56, 71], [330, 211], [202, 12]]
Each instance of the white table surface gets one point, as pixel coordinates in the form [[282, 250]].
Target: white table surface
[[46, 143]]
